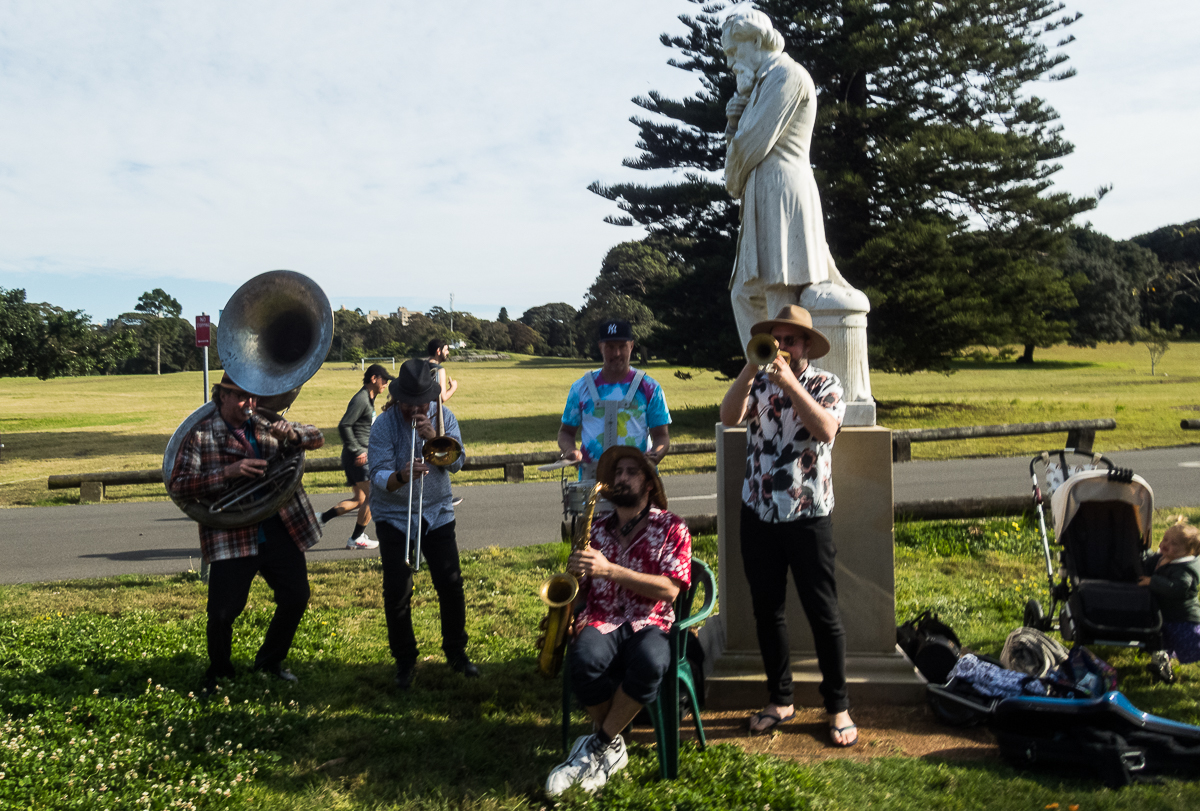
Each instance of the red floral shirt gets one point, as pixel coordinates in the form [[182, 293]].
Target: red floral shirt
[[662, 547]]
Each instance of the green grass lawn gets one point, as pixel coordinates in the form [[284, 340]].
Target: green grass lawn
[[76, 425], [99, 705]]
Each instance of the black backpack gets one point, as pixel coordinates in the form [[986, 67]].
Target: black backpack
[[931, 645]]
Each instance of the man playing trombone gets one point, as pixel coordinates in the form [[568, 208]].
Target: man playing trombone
[[230, 448], [414, 516]]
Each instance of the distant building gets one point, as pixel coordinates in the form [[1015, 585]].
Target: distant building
[[373, 316], [404, 315]]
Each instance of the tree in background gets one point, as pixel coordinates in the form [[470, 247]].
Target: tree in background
[[46, 341], [1157, 340], [524, 339], [1173, 295], [1109, 277], [503, 317], [632, 276], [933, 165], [161, 326], [556, 324]]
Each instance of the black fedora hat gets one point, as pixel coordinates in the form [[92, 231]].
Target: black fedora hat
[[415, 384]]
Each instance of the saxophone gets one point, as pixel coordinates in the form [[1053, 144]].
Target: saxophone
[[558, 592]]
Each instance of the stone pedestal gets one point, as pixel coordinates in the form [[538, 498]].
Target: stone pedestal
[[91, 492], [862, 528], [839, 312]]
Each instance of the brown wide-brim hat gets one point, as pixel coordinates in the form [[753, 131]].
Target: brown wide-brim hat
[[228, 384], [606, 470], [415, 384], [798, 317]]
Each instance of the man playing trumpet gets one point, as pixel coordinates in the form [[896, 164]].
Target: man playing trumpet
[[639, 557], [410, 496], [793, 411], [230, 448]]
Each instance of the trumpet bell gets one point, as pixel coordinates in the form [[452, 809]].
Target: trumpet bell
[[762, 349]]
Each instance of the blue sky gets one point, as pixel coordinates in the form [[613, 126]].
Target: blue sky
[[398, 152]]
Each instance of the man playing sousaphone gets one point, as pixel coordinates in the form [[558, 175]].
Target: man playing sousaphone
[[639, 557], [229, 448]]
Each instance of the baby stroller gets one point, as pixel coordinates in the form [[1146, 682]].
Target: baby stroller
[[1102, 526]]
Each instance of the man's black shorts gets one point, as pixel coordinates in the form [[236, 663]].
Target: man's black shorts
[[355, 473]]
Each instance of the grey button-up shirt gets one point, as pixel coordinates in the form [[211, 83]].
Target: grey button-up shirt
[[389, 451]]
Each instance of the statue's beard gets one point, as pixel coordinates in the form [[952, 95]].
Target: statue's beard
[[745, 80]]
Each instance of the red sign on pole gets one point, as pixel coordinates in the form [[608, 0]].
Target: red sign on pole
[[202, 330]]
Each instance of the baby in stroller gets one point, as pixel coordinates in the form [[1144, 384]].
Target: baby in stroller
[[1174, 580]]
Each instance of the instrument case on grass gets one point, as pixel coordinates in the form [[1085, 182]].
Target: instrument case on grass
[[1107, 738]]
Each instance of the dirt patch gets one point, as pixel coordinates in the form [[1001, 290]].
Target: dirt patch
[[883, 731]]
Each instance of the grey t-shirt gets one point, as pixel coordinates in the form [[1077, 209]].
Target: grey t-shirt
[[355, 426]]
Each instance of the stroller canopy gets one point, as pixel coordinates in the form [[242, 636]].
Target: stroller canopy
[[1090, 486]]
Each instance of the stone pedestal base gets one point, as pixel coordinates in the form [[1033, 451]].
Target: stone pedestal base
[[737, 682], [862, 530]]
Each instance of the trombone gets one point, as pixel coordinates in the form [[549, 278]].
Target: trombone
[[441, 451]]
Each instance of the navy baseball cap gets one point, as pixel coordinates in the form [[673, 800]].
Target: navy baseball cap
[[615, 329]]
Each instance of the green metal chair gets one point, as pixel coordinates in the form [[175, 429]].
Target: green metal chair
[[665, 711]]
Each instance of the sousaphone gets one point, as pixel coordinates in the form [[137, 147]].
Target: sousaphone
[[274, 334]]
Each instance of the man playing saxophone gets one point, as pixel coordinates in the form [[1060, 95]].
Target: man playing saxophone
[[639, 558], [228, 449]]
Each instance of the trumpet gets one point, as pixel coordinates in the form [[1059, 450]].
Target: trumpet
[[441, 451], [558, 592], [763, 349]]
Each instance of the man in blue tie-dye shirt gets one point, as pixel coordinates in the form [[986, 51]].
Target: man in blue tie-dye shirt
[[614, 405]]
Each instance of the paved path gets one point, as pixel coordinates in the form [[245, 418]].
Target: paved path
[[99, 540]]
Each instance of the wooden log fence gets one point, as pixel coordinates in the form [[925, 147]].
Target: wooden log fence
[[1080, 434], [1187, 425]]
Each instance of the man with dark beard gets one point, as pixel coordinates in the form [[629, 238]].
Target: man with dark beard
[[639, 558], [792, 411]]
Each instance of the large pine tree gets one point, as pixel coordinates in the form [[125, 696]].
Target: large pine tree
[[932, 161]]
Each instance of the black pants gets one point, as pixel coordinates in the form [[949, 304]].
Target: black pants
[[634, 661], [283, 566], [440, 552], [806, 546]]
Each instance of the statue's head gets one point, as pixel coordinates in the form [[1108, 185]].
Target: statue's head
[[747, 38], [750, 26]]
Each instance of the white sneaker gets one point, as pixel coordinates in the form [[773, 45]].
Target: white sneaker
[[590, 765], [362, 542]]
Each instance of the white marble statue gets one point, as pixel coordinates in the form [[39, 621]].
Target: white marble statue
[[782, 256]]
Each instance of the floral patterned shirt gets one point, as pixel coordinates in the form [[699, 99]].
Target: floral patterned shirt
[[787, 471], [662, 547]]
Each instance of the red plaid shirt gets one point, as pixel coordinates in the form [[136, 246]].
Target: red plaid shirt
[[199, 473], [662, 547]]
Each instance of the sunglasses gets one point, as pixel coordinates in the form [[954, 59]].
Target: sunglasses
[[788, 340]]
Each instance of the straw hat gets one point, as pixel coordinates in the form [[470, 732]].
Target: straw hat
[[798, 317], [606, 470], [228, 384]]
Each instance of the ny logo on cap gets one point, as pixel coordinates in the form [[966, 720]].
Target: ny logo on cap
[[612, 329]]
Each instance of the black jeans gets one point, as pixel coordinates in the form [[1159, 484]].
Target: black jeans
[[635, 661], [440, 552], [283, 566], [805, 545]]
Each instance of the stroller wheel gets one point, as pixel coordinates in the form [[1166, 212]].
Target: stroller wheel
[[1066, 626], [1034, 616]]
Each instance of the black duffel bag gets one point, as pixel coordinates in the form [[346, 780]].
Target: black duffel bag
[[931, 645]]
